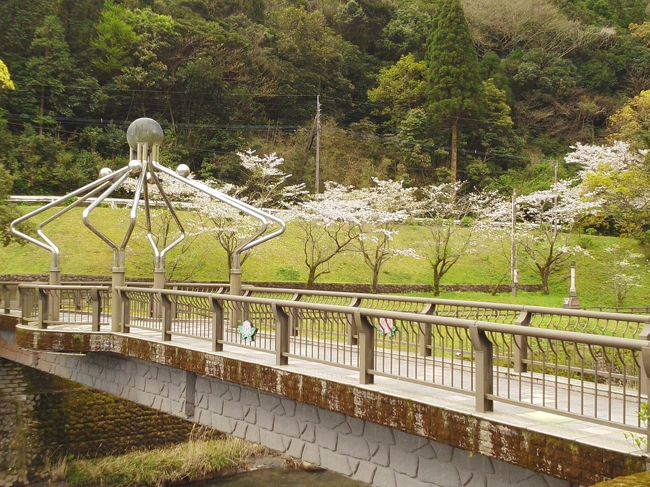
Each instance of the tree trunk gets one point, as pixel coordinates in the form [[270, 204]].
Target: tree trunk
[[454, 151], [311, 278], [545, 275], [436, 285], [375, 280]]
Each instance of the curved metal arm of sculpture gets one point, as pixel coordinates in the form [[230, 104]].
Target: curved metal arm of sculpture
[[53, 249], [63, 211], [161, 254], [134, 209], [95, 204], [235, 203], [261, 215]]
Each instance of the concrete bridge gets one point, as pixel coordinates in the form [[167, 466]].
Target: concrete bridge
[[388, 390]]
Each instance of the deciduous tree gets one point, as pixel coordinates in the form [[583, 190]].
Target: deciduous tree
[[453, 223], [388, 204]]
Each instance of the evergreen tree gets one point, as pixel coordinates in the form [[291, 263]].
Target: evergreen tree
[[453, 68], [50, 70]]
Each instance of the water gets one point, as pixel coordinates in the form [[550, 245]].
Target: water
[[283, 478]]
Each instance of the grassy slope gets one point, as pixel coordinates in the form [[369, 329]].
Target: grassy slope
[[281, 260]]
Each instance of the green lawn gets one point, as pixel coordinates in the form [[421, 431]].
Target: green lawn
[[282, 261]]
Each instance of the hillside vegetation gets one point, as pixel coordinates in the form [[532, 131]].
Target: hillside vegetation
[[225, 76]]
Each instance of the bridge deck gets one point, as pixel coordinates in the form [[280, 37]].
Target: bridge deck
[[527, 387]]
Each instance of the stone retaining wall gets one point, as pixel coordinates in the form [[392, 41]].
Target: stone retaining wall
[[43, 417]]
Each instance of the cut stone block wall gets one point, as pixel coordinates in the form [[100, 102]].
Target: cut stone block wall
[[360, 449], [43, 416]]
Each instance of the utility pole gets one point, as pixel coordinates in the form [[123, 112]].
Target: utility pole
[[317, 144], [555, 222], [514, 274]]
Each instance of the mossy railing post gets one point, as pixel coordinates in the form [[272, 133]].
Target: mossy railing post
[[644, 377], [77, 299], [27, 298], [643, 383], [246, 307], [366, 348], [175, 304], [6, 298], [96, 303], [353, 330], [124, 318], [235, 290], [294, 316], [166, 316], [43, 308], [483, 360], [55, 297], [217, 325], [521, 344], [424, 339], [117, 299], [281, 335]]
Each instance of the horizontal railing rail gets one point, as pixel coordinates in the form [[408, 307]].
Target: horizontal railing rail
[[594, 377]]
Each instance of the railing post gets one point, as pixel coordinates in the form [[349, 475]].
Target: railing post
[[424, 340], [27, 297], [217, 325], [294, 318], [43, 308], [246, 307], [77, 299], [353, 330], [521, 344], [96, 303], [174, 304], [125, 312], [644, 375], [166, 316], [483, 357], [366, 348], [6, 298], [117, 313], [281, 335]]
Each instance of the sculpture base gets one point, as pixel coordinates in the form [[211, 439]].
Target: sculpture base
[[572, 302]]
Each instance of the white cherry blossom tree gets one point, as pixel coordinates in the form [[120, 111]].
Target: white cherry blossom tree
[[617, 175], [454, 220], [548, 218], [623, 272], [328, 225], [267, 186], [388, 204]]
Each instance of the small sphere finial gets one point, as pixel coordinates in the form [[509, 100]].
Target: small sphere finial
[[135, 166], [183, 170], [144, 131], [105, 171]]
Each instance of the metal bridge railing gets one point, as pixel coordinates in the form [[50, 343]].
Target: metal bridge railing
[[546, 359]]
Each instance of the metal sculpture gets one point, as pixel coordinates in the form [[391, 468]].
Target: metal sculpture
[[144, 136]]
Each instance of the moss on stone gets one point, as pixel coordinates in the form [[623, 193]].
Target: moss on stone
[[636, 480]]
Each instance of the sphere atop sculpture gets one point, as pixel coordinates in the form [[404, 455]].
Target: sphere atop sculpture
[[105, 171], [135, 166], [183, 170], [144, 131]]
